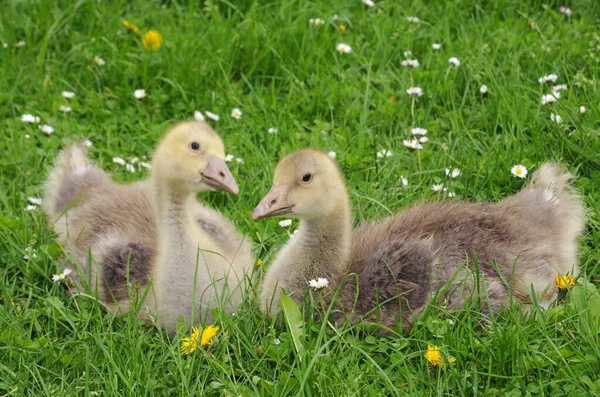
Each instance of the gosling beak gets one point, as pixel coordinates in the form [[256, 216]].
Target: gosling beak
[[217, 175], [275, 203]]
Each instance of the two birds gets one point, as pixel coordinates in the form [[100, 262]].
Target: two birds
[[188, 259]]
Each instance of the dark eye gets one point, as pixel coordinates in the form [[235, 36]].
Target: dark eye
[[306, 177], [195, 146]]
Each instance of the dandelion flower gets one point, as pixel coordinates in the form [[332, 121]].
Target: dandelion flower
[[549, 78], [435, 358], [28, 118], [384, 153], [139, 94], [118, 160], [412, 144], [208, 334], [562, 282], [59, 277], [189, 344], [212, 116], [520, 171], [368, 3], [131, 26], [236, 113], [272, 130], [342, 28], [319, 283], [285, 223], [152, 40], [436, 46], [99, 61], [65, 109], [343, 48], [413, 19], [454, 62], [437, 187], [582, 109], [68, 94], [198, 116], [411, 63], [556, 118], [46, 129], [418, 131], [483, 89], [331, 155], [415, 92]]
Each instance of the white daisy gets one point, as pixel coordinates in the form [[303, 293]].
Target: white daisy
[[118, 160], [451, 194], [454, 173], [139, 94], [46, 129], [198, 116], [412, 144], [99, 61], [549, 78], [316, 21], [145, 165], [59, 277], [418, 131], [559, 87], [129, 167], [520, 171], [415, 92], [65, 109], [239, 160], [272, 130], [404, 180], [413, 19], [68, 94], [29, 118], [410, 63], [20, 44], [276, 341], [35, 200], [285, 223], [483, 89], [423, 139], [454, 62], [88, 143], [212, 116], [384, 153], [550, 98], [27, 136], [229, 158], [343, 48], [368, 3], [331, 155], [319, 283], [556, 118], [436, 46], [134, 160], [582, 109], [31, 207], [236, 113], [5, 45], [407, 53], [437, 187]]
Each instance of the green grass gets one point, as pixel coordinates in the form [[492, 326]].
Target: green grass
[[266, 59]]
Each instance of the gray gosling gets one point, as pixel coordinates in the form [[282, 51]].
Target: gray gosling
[[390, 270], [154, 229]]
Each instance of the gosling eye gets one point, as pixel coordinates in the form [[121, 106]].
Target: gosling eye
[[195, 147], [306, 178]]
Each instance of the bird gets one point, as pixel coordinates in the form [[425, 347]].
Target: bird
[[186, 257], [388, 271]]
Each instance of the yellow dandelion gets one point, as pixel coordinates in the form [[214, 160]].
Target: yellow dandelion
[[259, 262], [207, 334], [435, 358], [562, 282], [131, 26], [152, 40], [342, 28], [188, 345]]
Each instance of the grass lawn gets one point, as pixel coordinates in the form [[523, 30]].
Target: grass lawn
[[284, 73]]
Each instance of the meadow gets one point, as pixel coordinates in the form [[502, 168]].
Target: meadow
[[522, 89]]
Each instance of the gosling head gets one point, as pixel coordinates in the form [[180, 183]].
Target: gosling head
[[307, 185], [191, 156]]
